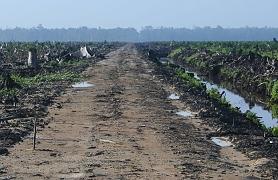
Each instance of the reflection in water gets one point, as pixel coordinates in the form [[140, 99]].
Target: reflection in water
[[83, 85], [174, 97], [184, 113], [221, 141], [267, 117]]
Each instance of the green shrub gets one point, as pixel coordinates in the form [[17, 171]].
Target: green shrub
[[191, 59], [274, 92], [214, 94], [275, 131], [253, 117], [229, 73], [192, 81], [21, 80], [274, 109]]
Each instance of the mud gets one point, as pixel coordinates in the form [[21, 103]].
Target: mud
[[126, 128]]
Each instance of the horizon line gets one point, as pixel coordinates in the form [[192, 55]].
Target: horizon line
[[40, 26]]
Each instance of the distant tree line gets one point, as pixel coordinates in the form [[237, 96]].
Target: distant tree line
[[132, 35]]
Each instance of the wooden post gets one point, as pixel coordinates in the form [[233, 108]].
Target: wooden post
[[35, 134]]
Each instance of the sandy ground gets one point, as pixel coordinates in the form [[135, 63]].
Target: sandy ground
[[124, 127]]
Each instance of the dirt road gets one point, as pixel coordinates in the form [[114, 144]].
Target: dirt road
[[125, 127]]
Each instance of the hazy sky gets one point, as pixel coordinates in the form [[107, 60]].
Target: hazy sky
[[138, 13]]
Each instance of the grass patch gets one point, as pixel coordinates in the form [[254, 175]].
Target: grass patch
[[176, 52], [215, 95], [253, 117], [192, 81], [191, 59], [229, 73], [46, 78], [74, 63], [37, 80], [8, 92], [274, 92], [274, 109]]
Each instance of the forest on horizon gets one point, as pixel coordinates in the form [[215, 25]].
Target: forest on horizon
[[147, 34]]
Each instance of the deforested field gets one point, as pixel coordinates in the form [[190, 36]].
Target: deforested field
[[161, 110]]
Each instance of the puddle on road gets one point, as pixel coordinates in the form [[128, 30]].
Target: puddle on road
[[83, 85], [174, 97], [184, 113], [221, 141], [72, 176]]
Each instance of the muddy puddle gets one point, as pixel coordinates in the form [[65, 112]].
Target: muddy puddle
[[184, 113], [164, 60], [266, 116], [83, 85], [174, 96], [221, 141], [72, 176]]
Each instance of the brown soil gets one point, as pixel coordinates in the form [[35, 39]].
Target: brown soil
[[125, 128]]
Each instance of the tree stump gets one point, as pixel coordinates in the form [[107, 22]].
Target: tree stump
[[84, 52], [32, 58]]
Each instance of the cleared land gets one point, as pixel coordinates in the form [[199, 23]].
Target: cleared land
[[125, 127]]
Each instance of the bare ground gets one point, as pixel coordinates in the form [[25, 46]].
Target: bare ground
[[125, 128]]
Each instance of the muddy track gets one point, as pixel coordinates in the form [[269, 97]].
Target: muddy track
[[126, 128]]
